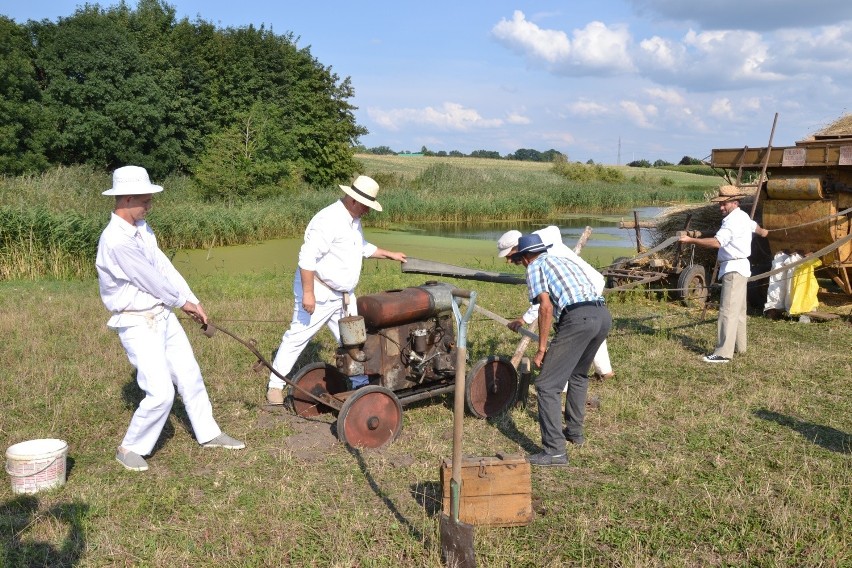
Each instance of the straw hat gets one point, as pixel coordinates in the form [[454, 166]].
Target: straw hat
[[363, 190], [729, 193], [507, 242], [131, 180], [529, 244]]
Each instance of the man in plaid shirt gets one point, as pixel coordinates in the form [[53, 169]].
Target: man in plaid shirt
[[568, 299]]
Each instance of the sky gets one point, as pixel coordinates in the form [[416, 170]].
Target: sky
[[608, 80]]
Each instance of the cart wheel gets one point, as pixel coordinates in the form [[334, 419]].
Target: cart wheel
[[491, 387], [370, 418], [692, 287], [317, 379], [618, 263]]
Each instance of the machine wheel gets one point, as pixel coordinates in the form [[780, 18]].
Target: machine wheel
[[491, 387], [370, 418], [317, 379], [692, 286], [618, 263]]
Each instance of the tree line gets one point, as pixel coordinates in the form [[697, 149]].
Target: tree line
[[242, 109], [522, 154]]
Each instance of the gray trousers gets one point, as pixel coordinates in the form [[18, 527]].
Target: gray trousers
[[579, 334], [731, 329]]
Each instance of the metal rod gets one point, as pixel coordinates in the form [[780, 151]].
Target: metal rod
[[209, 328], [765, 165]]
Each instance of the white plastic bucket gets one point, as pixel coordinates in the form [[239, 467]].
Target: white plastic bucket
[[36, 464]]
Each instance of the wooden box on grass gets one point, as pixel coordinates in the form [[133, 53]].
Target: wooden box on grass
[[496, 490]]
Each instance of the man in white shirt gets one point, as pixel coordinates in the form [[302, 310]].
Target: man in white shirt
[[140, 286], [551, 236], [328, 271], [734, 243]]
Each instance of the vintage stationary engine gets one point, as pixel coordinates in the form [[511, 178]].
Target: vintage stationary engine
[[409, 340], [405, 342]]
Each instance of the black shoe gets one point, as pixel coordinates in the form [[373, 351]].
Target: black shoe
[[715, 359], [544, 458]]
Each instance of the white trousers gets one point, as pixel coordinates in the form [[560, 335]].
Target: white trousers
[[778, 294], [162, 355], [304, 326]]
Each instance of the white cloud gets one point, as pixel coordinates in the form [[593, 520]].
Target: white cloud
[[670, 96], [450, 116], [663, 53], [594, 49], [587, 108], [601, 47], [639, 114], [528, 39], [722, 108], [517, 118]]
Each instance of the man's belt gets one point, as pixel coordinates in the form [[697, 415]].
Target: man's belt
[[575, 305], [344, 295]]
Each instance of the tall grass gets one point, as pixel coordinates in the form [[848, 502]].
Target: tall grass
[[48, 219]]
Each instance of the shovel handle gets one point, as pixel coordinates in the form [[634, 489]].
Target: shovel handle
[[458, 412]]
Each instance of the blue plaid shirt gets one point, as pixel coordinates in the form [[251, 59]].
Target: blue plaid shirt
[[563, 280]]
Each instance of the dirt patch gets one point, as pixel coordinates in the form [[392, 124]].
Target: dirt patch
[[312, 438]]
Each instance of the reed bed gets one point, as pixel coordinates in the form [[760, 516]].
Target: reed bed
[[55, 218]]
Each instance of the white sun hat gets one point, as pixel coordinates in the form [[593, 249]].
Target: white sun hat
[[507, 242], [364, 190], [131, 180]]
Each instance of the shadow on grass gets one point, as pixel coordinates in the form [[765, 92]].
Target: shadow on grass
[[689, 342], [20, 514], [412, 530], [828, 438]]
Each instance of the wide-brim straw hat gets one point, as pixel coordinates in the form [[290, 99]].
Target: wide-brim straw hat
[[529, 244], [364, 190], [131, 180], [507, 242], [729, 193]]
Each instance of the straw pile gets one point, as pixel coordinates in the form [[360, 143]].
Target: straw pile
[[840, 127]]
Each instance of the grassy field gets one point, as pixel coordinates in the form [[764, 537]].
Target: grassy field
[[686, 464]]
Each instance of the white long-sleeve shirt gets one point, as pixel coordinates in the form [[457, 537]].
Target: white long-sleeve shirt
[[553, 236], [134, 275], [734, 236], [335, 247]]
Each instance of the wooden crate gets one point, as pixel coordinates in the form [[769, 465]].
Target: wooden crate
[[496, 490]]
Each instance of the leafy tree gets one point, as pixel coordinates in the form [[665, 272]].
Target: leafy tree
[[381, 151], [639, 164], [552, 155], [687, 161], [23, 123], [527, 155], [245, 160], [485, 154], [122, 86], [456, 154], [590, 162], [661, 163]]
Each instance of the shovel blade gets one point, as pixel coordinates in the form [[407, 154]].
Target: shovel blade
[[457, 543]]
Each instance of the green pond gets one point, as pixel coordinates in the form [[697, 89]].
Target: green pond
[[460, 244]]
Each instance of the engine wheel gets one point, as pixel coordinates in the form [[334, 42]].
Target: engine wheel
[[491, 387], [692, 286], [370, 418], [317, 379]]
